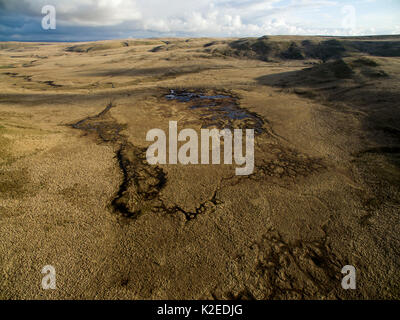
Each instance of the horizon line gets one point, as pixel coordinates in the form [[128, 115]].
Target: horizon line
[[204, 37]]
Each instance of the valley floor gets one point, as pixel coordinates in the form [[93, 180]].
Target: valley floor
[[76, 192]]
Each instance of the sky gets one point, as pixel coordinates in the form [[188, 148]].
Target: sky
[[85, 20]]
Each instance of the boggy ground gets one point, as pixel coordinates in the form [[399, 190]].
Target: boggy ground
[[77, 193]]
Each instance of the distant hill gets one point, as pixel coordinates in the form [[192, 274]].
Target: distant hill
[[298, 48]]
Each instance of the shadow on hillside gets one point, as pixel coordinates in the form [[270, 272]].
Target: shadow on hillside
[[159, 71], [342, 86], [374, 103]]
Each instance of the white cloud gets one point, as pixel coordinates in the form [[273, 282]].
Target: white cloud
[[197, 17]]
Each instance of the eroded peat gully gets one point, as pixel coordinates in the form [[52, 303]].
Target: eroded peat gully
[[141, 183]]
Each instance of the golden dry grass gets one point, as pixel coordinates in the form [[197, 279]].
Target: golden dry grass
[[325, 192]]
